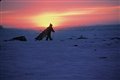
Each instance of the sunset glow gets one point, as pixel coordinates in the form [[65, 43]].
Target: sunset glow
[[32, 14], [45, 19], [55, 18]]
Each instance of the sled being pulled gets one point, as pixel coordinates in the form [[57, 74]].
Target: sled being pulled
[[41, 35]]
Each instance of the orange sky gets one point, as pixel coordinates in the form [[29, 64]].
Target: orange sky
[[62, 14]]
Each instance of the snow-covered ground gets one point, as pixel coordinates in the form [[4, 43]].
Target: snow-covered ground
[[67, 57]]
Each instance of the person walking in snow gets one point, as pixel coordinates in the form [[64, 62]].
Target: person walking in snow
[[46, 33]]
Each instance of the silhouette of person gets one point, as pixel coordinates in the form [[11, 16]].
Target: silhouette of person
[[49, 29], [46, 33]]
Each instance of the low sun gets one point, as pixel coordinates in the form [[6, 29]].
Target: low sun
[[44, 20]]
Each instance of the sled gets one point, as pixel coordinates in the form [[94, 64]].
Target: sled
[[41, 35]]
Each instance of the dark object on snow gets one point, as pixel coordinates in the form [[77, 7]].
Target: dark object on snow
[[1, 27], [102, 57], [70, 38], [117, 38], [19, 38], [41, 35], [95, 49], [75, 45], [82, 37], [103, 40], [46, 33], [94, 34]]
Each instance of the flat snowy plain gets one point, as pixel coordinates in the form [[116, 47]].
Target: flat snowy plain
[[67, 57]]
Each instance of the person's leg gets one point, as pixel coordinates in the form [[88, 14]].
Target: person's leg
[[49, 37]]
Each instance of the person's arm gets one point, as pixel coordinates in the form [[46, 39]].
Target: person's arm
[[53, 30]]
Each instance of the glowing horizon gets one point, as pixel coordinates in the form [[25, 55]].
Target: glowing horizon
[[62, 14]]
